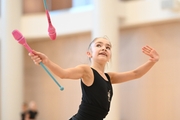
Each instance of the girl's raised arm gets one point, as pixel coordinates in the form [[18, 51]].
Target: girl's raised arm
[[138, 72]]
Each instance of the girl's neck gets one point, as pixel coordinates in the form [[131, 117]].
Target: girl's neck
[[98, 67]]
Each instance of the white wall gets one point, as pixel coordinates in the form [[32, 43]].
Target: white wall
[[155, 96]]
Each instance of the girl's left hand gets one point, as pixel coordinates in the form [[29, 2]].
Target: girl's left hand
[[154, 56]]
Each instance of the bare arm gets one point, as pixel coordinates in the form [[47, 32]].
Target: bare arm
[[138, 72], [71, 73]]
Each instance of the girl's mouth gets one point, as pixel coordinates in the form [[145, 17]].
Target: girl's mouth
[[103, 54]]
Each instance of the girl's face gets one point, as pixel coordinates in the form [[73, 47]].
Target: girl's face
[[100, 50]]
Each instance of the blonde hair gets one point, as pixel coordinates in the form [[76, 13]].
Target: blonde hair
[[105, 37]]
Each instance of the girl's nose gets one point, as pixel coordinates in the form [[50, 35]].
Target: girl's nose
[[103, 48]]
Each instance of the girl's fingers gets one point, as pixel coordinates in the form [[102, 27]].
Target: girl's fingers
[[34, 52], [30, 54], [147, 48], [37, 61], [145, 52], [36, 57]]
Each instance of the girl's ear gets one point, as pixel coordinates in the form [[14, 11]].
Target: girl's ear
[[89, 54]]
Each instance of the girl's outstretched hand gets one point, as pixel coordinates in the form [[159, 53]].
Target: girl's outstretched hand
[[38, 57], [154, 56]]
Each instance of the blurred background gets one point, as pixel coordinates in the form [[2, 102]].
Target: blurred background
[[129, 24]]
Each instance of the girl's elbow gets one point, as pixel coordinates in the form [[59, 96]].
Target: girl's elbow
[[62, 76], [137, 75]]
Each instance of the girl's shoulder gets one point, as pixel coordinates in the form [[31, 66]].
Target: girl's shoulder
[[111, 74], [85, 68]]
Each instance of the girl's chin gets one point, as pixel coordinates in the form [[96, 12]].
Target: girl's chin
[[103, 59]]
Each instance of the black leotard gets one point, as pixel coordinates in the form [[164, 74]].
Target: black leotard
[[96, 99]]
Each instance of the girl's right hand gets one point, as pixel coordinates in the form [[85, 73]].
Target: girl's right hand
[[38, 57]]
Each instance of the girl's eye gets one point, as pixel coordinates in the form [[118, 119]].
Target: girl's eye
[[98, 45], [108, 48]]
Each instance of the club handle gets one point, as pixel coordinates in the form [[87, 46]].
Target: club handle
[[43, 66], [45, 5]]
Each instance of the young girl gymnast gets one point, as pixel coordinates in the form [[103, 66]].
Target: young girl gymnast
[[96, 85]]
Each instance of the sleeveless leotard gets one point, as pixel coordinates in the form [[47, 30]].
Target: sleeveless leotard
[[96, 99]]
